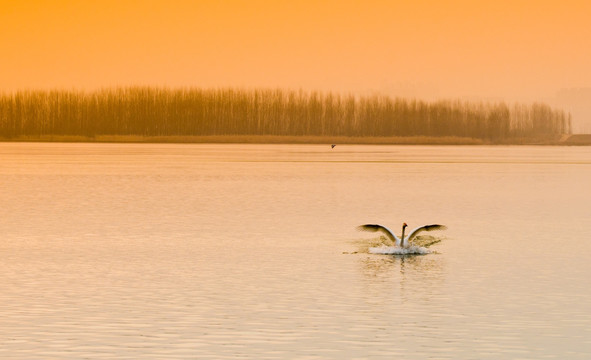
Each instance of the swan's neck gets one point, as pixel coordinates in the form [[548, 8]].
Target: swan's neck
[[402, 237]]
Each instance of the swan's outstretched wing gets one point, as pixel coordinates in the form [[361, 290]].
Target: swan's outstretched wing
[[382, 229], [416, 231]]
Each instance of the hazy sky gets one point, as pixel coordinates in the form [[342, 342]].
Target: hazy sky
[[513, 50]]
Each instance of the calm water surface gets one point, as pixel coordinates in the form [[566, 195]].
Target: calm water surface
[[167, 251]]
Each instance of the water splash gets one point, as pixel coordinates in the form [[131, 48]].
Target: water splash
[[396, 250]]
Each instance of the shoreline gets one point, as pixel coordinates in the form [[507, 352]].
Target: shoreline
[[565, 140]]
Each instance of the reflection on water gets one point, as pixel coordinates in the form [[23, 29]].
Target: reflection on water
[[170, 251], [410, 273]]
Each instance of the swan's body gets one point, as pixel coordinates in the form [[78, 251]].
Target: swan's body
[[402, 241]]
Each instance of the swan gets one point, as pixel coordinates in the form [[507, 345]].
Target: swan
[[402, 241]]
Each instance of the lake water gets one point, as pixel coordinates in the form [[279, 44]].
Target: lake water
[[169, 251]]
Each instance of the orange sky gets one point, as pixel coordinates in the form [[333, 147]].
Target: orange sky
[[512, 50]]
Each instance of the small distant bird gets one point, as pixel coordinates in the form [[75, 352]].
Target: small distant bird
[[400, 241], [332, 146]]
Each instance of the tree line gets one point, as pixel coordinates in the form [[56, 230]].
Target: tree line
[[148, 111]]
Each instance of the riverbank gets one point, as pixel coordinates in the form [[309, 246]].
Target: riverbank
[[577, 139], [252, 139]]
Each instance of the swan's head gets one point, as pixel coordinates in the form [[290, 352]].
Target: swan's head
[[404, 225]]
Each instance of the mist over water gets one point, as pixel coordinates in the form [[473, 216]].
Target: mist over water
[[229, 251]]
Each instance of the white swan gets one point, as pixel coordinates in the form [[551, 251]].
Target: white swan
[[402, 241]]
